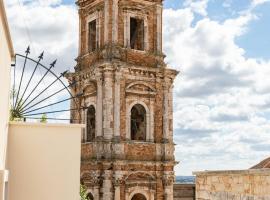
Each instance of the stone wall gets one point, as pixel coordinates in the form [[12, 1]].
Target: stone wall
[[184, 191], [224, 185]]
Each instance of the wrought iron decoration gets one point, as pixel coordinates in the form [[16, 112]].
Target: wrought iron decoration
[[36, 95]]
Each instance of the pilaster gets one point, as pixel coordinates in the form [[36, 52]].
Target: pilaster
[[118, 181], [165, 111], [107, 185], [99, 110], [117, 101], [95, 182], [106, 20], [159, 28], [108, 103], [168, 180], [115, 22]]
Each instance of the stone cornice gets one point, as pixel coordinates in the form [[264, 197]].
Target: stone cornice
[[234, 172]]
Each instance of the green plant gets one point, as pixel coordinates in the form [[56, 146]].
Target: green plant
[[15, 111], [83, 193], [43, 118]]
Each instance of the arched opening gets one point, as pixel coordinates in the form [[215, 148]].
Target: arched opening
[[91, 123], [90, 196], [138, 196], [138, 123]]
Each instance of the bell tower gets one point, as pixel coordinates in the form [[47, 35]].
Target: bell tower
[[127, 145]]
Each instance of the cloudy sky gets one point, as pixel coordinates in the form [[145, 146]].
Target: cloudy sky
[[221, 48]]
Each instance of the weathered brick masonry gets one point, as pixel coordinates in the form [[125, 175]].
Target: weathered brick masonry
[[127, 146]]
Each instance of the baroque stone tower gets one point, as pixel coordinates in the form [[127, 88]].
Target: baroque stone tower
[[127, 145]]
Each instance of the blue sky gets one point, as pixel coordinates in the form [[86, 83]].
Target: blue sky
[[221, 48], [256, 41]]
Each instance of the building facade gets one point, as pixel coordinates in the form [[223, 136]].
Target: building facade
[[6, 56], [127, 146]]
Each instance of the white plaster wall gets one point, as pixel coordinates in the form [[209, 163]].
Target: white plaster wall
[[5, 62], [6, 53], [44, 161]]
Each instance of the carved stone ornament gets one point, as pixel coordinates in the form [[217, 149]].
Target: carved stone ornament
[[168, 180], [118, 181], [118, 178], [140, 87], [92, 178]]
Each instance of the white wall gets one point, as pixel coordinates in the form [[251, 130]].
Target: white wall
[[6, 54], [44, 161]]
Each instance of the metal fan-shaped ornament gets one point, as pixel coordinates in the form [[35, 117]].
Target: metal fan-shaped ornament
[[38, 93]]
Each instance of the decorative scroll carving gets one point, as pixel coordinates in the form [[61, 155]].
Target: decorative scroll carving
[[140, 87], [168, 179], [138, 176], [118, 179], [90, 89], [91, 178]]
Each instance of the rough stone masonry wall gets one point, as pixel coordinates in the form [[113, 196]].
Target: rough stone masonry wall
[[238, 185], [183, 191]]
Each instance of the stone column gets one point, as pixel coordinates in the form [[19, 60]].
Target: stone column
[[96, 192], [84, 120], [170, 104], [152, 123], [117, 105], [99, 28], [96, 186], [127, 30], [80, 32], [146, 36], [159, 28], [115, 22], [165, 111], [106, 21], [118, 181], [99, 104], [108, 105], [92, 180], [168, 180], [107, 185]]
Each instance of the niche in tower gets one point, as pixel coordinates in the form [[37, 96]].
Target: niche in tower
[[138, 123], [92, 36], [136, 34]]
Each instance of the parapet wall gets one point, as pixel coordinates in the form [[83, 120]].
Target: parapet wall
[[184, 191], [242, 184]]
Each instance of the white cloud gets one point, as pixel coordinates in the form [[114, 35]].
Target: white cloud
[[53, 29], [34, 3], [197, 6], [221, 96], [259, 2]]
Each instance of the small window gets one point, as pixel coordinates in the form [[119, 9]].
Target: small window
[[91, 123], [92, 36], [138, 123], [136, 34]]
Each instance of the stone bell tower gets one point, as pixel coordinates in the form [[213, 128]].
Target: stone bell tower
[[127, 145]]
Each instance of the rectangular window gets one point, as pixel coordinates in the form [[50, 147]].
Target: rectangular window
[[137, 34], [92, 36]]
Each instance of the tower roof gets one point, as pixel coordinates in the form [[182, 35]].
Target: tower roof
[[263, 164]]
